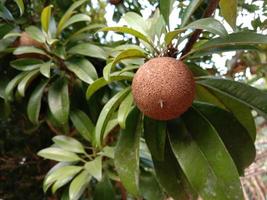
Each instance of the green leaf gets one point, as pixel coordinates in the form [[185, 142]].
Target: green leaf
[[208, 24], [111, 126], [197, 70], [45, 69], [130, 31], [155, 136], [58, 154], [61, 181], [26, 81], [129, 53], [60, 171], [190, 9], [229, 11], [127, 152], [12, 84], [83, 69], [78, 185], [28, 49], [68, 144], [104, 190], [34, 103], [149, 187], [136, 22], [106, 114], [166, 7], [83, 124], [170, 175], [76, 18], [94, 168], [234, 39], [87, 49], [124, 110], [21, 6], [240, 111], [235, 137], [5, 13], [58, 100], [243, 93], [26, 64], [35, 33], [197, 142], [101, 82], [46, 17], [68, 15]]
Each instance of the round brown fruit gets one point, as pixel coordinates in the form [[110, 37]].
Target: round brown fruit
[[115, 2], [163, 88]]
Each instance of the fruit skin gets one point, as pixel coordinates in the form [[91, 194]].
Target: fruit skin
[[115, 2], [163, 88]]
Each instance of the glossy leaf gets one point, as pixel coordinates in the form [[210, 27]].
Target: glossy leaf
[[155, 136], [229, 11], [46, 17], [28, 49], [170, 176], [74, 19], [243, 93], [45, 69], [240, 111], [235, 137], [68, 144], [58, 154], [26, 64], [127, 153], [63, 180], [124, 110], [94, 168], [83, 69], [241, 38], [34, 103], [12, 85], [26, 81], [61, 171], [101, 82], [87, 49], [104, 190], [149, 186], [5, 13], [68, 15], [58, 100], [106, 114], [165, 7], [35, 33], [136, 22], [129, 53], [20, 4], [190, 9], [218, 177], [130, 31], [78, 185], [83, 124]]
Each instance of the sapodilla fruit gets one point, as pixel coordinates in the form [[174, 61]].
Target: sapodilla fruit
[[163, 88], [115, 2]]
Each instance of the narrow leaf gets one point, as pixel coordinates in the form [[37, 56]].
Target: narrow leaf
[[34, 103], [45, 69], [58, 154], [124, 110], [76, 18], [20, 4], [190, 9], [68, 144], [26, 64], [229, 11], [46, 17], [58, 100], [94, 168], [35, 33], [106, 114], [28, 49], [26, 81], [127, 153], [166, 7], [83, 124]]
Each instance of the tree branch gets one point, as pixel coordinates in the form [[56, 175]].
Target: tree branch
[[208, 12]]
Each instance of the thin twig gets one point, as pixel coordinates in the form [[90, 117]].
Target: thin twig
[[208, 12]]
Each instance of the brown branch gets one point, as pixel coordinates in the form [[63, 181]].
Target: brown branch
[[208, 12]]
